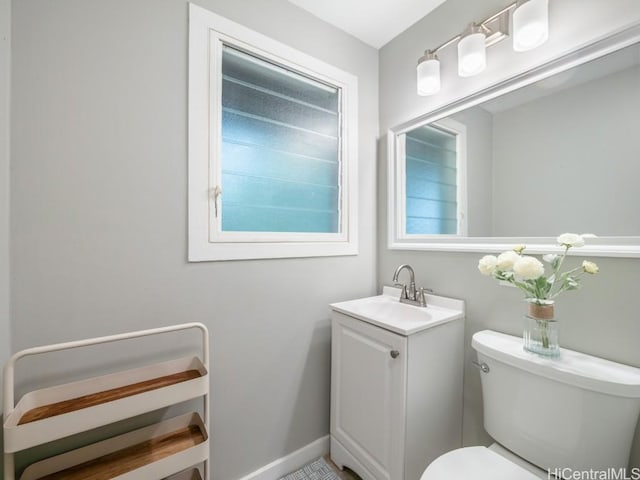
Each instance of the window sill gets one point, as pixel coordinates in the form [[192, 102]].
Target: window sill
[[206, 251]]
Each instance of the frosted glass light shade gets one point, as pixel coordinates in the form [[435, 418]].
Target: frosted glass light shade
[[472, 54], [530, 25], [428, 76]]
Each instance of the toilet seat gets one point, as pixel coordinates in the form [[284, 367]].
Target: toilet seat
[[478, 463]]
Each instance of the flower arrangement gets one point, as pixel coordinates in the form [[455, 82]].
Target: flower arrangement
[[528, 273]]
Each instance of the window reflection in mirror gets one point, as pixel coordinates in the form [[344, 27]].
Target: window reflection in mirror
[[434, 183]]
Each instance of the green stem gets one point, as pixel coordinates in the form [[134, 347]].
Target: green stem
[[557, 269], [545, 333], [562, 287]]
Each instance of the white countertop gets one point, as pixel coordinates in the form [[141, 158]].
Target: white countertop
[[387, 312]]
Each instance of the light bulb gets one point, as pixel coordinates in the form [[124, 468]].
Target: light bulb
[[472, 54], [530, 25], [428, 74]]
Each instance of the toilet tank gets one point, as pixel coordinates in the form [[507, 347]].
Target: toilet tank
[[575, 411]]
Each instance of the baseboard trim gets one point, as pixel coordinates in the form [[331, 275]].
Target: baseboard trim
[[292, 462]]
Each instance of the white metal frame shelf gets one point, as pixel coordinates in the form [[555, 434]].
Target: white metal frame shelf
[[190, 474], [19, 436]]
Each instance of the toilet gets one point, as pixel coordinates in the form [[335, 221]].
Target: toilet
[[549, 417]]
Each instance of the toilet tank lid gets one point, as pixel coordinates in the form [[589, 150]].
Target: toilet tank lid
[[573, 368]]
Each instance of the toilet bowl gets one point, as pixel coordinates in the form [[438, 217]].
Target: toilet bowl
[[546, 414], [482, 463]]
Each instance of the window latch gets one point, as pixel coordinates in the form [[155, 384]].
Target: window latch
[[215, 193]]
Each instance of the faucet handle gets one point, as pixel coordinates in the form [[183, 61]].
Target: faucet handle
[[403, 287], [422, 299]]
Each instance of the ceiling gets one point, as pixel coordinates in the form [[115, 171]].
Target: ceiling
[[373, 21]]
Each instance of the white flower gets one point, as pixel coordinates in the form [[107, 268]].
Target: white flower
[[487, 264], [528, 268], [590, 267], [528, 273], [570, 240], [506, 260]]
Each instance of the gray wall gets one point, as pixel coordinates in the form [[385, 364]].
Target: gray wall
[[5, 55], [602, 319], [99, 212], [582, 145], [479, 213]]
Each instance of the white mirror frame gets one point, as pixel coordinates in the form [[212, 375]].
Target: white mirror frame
[[600, 247]]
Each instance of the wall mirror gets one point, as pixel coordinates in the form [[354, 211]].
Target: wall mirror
[[554, 150]]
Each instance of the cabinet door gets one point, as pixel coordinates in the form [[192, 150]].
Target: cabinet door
[[368, 388]]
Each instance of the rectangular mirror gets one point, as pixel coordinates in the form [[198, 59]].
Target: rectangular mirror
[[558, 152]]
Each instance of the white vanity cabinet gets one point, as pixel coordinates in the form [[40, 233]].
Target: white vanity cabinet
[[396, 387]]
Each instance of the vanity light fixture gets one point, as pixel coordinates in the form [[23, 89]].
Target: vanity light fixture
[[530, 30], [472, 51], [428, 74], [530, 24]]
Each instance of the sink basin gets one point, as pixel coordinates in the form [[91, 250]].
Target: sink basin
[[387, 312]]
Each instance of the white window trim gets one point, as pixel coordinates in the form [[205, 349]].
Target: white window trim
[[397, 235], [206, 31]]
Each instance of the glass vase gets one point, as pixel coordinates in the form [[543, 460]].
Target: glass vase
[[541, 330]]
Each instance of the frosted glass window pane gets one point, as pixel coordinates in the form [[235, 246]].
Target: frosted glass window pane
[[280, 148], [264, 219], [431, 182], [251, 70], [243, 129], [267, 192], [430, 225], [265, 104], [257, 161]]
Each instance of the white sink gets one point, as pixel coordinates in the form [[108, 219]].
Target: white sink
[[387, 312]]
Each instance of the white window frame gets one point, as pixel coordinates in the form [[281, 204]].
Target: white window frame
[[397, 229], [207, 33]]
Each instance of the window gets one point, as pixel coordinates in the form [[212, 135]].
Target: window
[[272, 148], [430, 181], [429, 194], [280, 158]]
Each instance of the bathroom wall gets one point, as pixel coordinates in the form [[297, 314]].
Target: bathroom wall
[[5, 55], [99, 213], [479, 172], [602, 319], [5, 49], [592, 160]]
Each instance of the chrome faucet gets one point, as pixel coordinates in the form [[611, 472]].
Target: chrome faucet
[[410, 295]]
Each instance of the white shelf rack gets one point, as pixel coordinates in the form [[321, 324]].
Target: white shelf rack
[[172, 447], [190, 474]]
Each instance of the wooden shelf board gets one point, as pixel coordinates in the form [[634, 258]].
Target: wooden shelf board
[[131, 458], [67, 406]]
